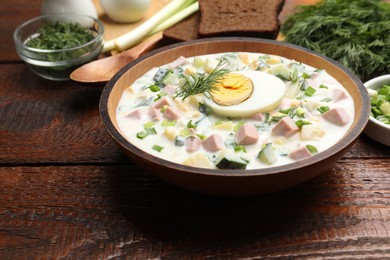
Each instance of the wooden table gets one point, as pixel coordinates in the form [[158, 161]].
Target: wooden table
[[66, 190]]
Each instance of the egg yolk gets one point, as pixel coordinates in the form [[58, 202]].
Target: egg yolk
[[233, 89]]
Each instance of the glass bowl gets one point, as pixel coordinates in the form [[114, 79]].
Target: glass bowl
[[58, 64]]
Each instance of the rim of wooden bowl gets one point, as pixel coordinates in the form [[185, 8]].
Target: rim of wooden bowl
[[231, 44]]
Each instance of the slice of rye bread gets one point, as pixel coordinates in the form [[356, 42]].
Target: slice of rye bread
[[185, 30], [252, 18]]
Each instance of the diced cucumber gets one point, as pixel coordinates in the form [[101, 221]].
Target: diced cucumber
[[160, 74], [179, 140], [227, 160], [281, 71], [165, 76], [267, 154], [170, 79]]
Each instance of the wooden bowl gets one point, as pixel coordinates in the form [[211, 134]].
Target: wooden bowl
[[234, 182]]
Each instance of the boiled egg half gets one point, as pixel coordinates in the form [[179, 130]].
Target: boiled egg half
[[245, 93]]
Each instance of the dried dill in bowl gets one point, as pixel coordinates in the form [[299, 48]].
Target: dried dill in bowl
[[55, 45], [355, 33]]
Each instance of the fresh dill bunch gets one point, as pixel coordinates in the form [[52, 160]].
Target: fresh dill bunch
[[203, 83], [355, 33]]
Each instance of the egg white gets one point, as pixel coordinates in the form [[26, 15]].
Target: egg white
[[268, 92]]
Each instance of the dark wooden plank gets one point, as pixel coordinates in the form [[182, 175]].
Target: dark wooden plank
[[121, 211], [12, 14], [45, 122]]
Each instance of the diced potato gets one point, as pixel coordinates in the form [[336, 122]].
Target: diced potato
[[311, 132], [183, 107], [312, 105], [195, 100], [280, 141], [171, 132], [199, 62], [225, 126], [198, 160], [244, 58], [210, 65], [190, 70], [273, 60]]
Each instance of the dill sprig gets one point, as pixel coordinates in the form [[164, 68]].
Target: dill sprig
[[355, 33], [203, 83]]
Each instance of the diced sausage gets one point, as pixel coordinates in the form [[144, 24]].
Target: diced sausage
[[135, 114], [300, 153], [161, 103], [338, 94], [192, 143], [258, 116], [155, 114], [247, 134], [213, 143], [171, 114], [176, 62], [337, 116], [285, 127]]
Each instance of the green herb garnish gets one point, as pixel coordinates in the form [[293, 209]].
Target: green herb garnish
[[203, 83], [354, 33], [61, 35]]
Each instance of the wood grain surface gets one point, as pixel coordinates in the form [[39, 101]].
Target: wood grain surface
[[67, 192]]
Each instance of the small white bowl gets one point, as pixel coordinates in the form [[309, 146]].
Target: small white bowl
[[375, 129]]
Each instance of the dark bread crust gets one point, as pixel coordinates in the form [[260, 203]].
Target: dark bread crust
[[253, 18], [185, 30], [250, 18]]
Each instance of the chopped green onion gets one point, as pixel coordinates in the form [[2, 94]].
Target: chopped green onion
[[310, 91], [154, 88], [237, 126], [300, 111], [240, 148], [201, 136], [312, 149], [142, 134], [157, 148], [191, 125], [166, 122], [323, 109], [323, 86], [326, 100], [148, 125], [151, 131], [185, 132], [306, 75], [301, 123]]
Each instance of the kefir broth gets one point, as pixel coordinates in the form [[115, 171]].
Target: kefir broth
[[308, 94]]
